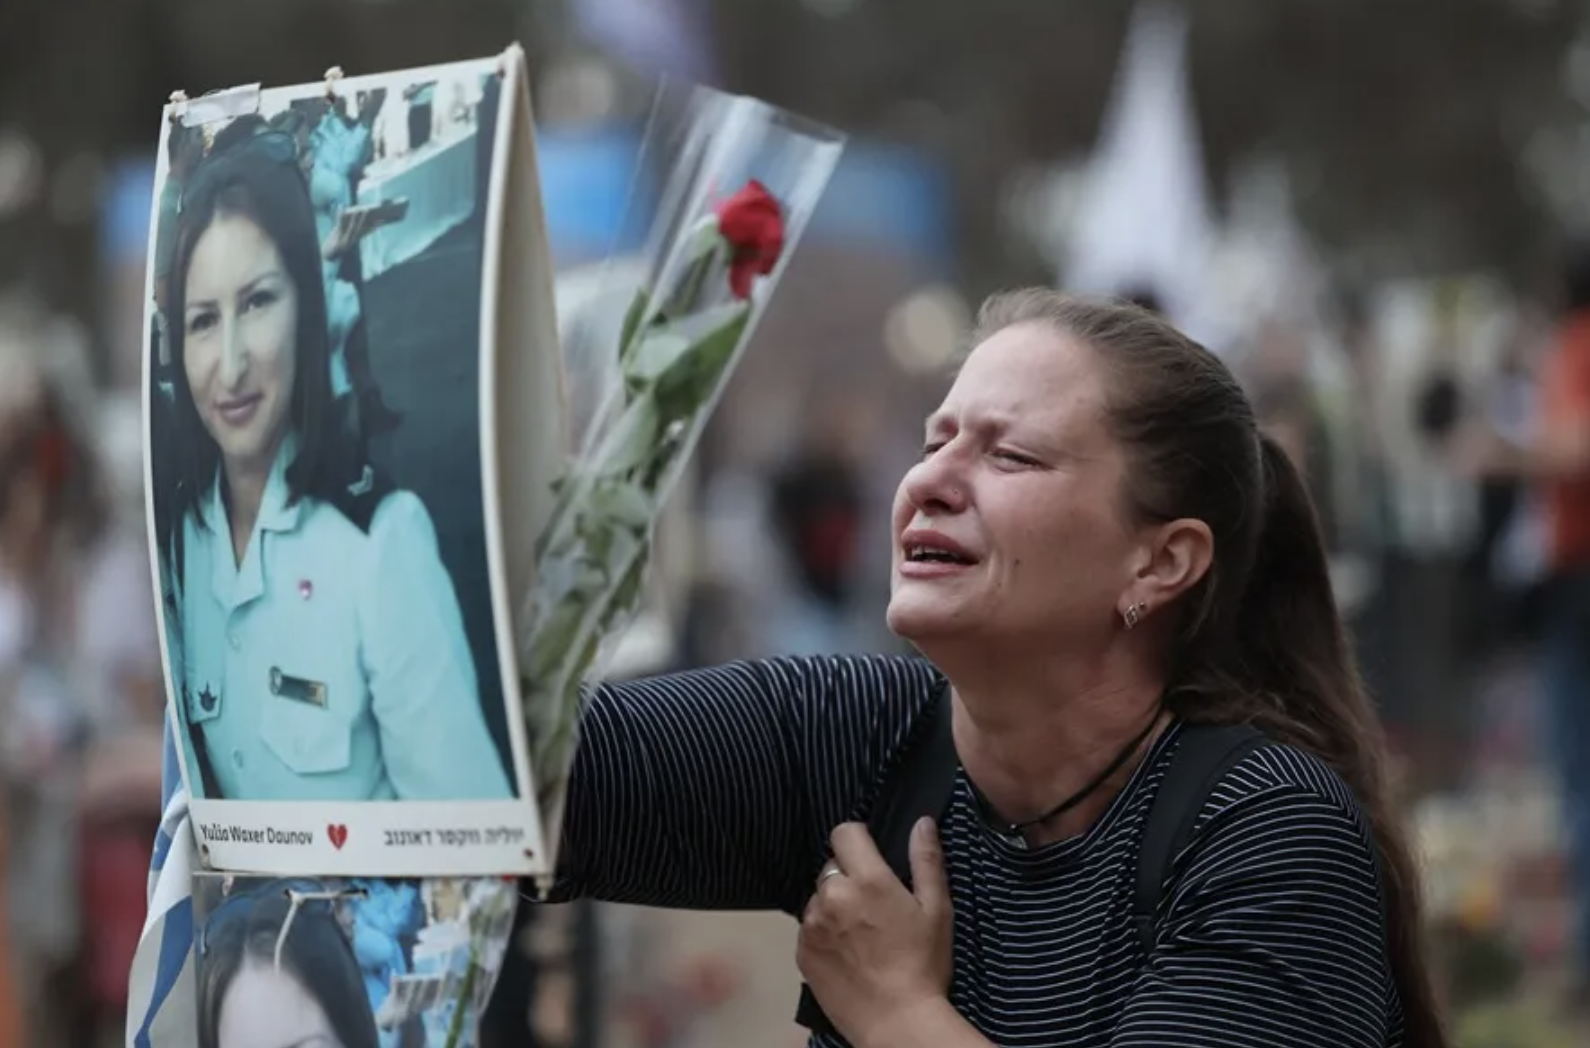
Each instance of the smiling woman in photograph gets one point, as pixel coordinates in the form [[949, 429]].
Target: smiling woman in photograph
[[319, 651]]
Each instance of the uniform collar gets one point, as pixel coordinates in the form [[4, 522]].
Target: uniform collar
[[274, 512], [233, 586]]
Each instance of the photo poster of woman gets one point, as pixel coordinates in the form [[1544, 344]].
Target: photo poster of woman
[[320, 385], [383, 963]]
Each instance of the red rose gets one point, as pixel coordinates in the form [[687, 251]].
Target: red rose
[[753, 225]]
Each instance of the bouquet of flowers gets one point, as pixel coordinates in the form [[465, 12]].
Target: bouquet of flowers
[[742, 181]]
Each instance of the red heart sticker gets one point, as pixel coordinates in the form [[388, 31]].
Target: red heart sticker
[[338, 834]]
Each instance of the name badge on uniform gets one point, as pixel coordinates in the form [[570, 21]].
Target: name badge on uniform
[[298, 689]]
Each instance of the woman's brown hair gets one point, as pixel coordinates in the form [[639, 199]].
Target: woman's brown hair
[[1260, 639]]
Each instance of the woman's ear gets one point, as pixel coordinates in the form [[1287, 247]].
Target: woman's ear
[[1178, 559]]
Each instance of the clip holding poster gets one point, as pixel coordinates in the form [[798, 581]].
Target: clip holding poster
[[214, 106], [324, 278]]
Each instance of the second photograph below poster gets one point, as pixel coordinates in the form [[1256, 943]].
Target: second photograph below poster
[[316, 478], [351, 963]]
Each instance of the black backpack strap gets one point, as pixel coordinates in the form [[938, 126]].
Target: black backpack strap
[[919, 784], [1204, 753]]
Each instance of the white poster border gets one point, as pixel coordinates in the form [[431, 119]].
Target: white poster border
[[420, 838]]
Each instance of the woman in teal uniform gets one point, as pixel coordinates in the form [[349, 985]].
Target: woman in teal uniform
[[318, 646]]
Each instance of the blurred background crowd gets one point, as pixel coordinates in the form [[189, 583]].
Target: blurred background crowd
[[1369, 209]]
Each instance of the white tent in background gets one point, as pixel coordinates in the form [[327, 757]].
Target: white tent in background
[[1270, 276], [1143, 218], [1266, 265]]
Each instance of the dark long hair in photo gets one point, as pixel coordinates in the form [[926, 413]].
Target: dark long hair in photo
[[259, 177], [246, 929]]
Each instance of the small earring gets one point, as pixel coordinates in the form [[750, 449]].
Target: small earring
[[1133, 614]]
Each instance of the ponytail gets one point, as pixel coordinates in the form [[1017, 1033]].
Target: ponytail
[[1296, 666], [1290, 640]]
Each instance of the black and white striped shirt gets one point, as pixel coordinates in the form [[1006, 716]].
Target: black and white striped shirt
[[718, 788]]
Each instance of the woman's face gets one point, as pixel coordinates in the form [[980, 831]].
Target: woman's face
[[239, 341], [1021, 484], [266, 1007]]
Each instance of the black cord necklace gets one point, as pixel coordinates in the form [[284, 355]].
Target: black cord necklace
[[1015, 829]]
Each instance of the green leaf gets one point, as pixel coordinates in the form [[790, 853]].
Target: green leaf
[[631, 440], [554, 637], [632, 321], [594, 566], [598, 541], [627, 596], [466, 993], [711, 247], [624, 504], [687, 386], [657, 351]]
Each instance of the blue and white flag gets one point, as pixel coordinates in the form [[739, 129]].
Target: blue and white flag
[[161, 1009]]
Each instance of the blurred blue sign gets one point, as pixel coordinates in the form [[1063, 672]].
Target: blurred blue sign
[[587, 178], [889, 197], [884, 197], [124, 212]]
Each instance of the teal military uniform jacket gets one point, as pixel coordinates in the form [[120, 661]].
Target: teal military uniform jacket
[[331, 663]]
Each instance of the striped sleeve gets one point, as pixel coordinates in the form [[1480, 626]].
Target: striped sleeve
[[161, 1008], [1272, 932], [718, 788]]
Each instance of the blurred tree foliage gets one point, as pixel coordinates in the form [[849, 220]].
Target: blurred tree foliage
[[85, 81], [1404, 121]]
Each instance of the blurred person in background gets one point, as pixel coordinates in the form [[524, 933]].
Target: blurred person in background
[[118, 656], [79, 691], [1276, 376], [1555, 461], [1506, 562], [42, 745], [788, 572], [816, 507], [1429, 693]]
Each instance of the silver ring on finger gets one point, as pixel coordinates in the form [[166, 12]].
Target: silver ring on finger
[[830, 871]]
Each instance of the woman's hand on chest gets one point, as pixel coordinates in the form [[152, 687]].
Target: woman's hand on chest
[[874, 951]]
